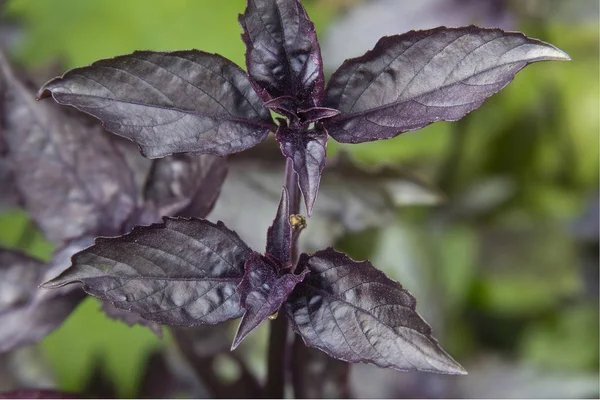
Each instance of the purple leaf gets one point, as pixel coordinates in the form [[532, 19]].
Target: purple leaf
[[262, 292], [130, 318], [186, 185], [183, 101], [28, 313], [279, 234], [71, 179], [353, 312], [283, 57], [180, 272], [409, 81], [307, 150]]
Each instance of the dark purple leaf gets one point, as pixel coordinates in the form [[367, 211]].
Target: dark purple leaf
[[183, 101], [25, 320], [283, 57], [353, 312], [70, 177], [307, 149], [262, 292], [411, 80], [279, 234], [185, 184], [180, 272], [130, 318]]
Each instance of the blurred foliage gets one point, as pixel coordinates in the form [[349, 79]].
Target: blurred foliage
[[496, 268]]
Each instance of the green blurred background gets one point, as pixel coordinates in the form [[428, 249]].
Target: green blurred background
[[506, 270]]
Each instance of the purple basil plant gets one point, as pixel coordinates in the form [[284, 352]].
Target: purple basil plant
[[189, 271]]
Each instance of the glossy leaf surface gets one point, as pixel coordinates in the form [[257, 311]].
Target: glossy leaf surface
[[69, 176], [283, 57], [181, 272], [262, 292], [353, 312], [183, 101], [411, 80], [307, 150], [185, 184]]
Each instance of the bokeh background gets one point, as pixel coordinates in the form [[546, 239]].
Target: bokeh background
[[504, 263]]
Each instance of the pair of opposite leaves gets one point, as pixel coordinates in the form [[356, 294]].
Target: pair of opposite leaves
[[190, 101]]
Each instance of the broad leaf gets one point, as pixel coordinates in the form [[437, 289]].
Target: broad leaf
[[283, 57], [185, 184], [180, 272], [183, 101], [353, 312], [262, 292], [279, 234], [71, 179], [411, 80], [307, 150], [28, 313]]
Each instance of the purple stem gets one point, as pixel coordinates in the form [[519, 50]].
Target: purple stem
[[279, 350]]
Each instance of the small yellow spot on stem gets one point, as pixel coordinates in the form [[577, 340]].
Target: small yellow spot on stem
[[274, 315], [297, 221]]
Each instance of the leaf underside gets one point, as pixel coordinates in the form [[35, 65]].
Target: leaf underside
[[180, 272], [353, 312], [181, 101], [409, 81]]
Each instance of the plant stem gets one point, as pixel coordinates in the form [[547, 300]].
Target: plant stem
[[278, 335]]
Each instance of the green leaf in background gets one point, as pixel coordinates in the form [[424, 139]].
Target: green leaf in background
[[89, 336], [568, 340], [84, 31], [18, 232]]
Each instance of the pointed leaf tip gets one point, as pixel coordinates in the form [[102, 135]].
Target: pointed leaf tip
[[353, 312], [440, 74], [180, 272], [279, 234], [145, 97]]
